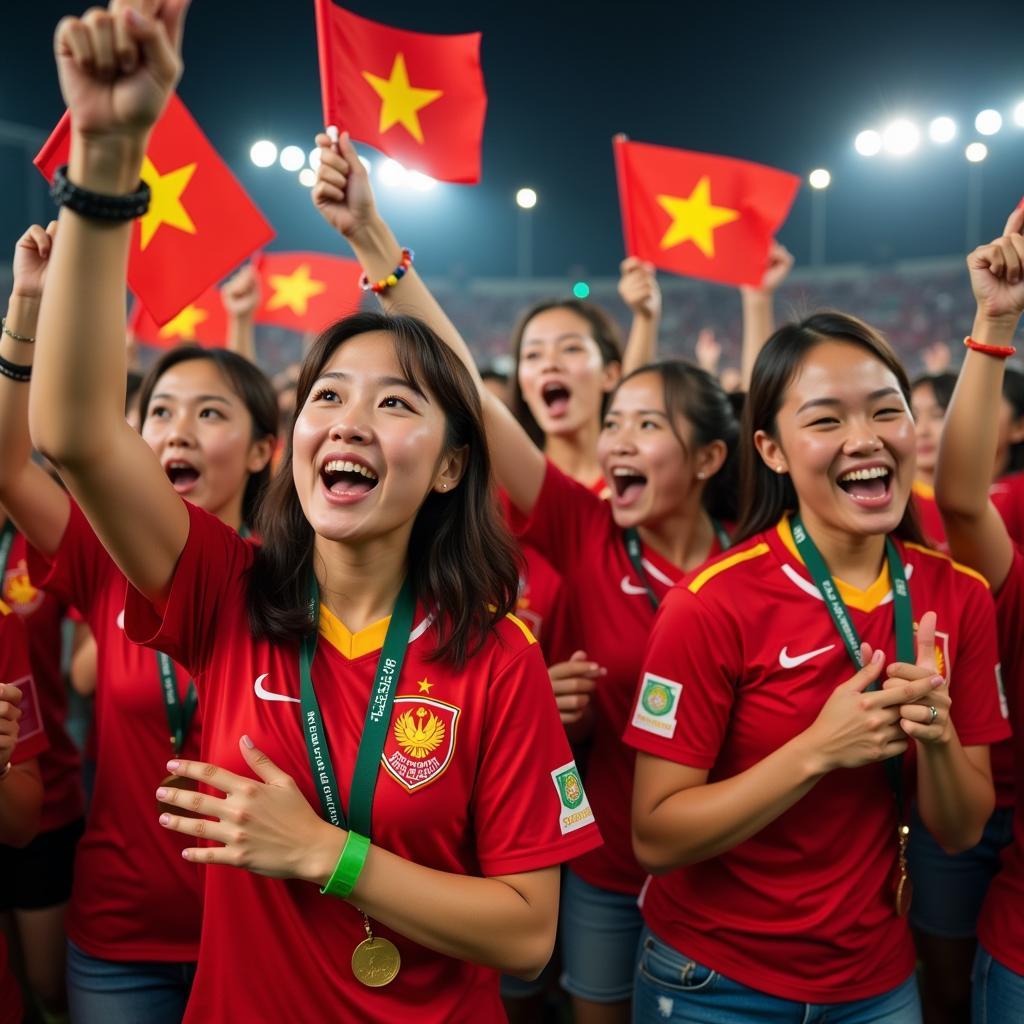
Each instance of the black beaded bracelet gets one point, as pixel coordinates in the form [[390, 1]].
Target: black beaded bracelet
[[15, 371], [95, 205]]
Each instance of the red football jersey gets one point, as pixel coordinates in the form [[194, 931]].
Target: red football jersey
[[803, 910], [612, 617], [42, 614], [1001, 925], [32, 741], [497, 793], [134, 897]]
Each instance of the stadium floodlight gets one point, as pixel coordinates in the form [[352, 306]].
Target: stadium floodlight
[[263, 153], [392, 173], [292, 158], [868, 143], [307, 177], [901, 137], [581, 290], [1018, 114], [419, 182], [942, 129], [314, 158], [819, 178], [976, 152], [526, 199], [988, 122]]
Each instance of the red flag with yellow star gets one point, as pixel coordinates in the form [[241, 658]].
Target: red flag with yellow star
[[700, 215], [418, 98], [204, 320], [306, 291], [200, 224]]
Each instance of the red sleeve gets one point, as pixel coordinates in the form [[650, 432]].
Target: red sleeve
[[211, 566], [79, 569], [978, 710], [687, 688], [16, 671], [1010, 627], [567, 523], [530, 809]]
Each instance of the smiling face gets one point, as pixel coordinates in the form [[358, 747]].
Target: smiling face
[[561, 373], [845, 436], [928, 418], [368, 445], [202, 434]]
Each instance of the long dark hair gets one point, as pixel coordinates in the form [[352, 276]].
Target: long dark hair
[[941, 385], [462, 561], [1013, 392], [695, 395], [766, 496], [603, 329], [251, 385]]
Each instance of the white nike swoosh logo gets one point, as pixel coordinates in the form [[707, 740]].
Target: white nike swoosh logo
[[631, 588], [267, 695], [791, 662]]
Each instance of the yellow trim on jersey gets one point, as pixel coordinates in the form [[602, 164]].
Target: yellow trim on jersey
[[863, 600], [727, 563], [923, 490], [4, 609], [524, 627], [959, 566], [352, 645]]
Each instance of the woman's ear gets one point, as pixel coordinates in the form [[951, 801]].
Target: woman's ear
[[771, 452], [610, 377], [711, 458], [260, 454], [450, 469]]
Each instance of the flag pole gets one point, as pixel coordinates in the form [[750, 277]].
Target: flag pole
[[618, 143]]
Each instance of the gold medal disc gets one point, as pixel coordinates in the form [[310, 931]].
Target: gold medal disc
[[375, 962], [177, 782], [904, 893]]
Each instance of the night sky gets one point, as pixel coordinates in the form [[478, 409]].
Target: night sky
[[784, 84]]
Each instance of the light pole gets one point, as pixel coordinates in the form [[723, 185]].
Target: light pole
[[819, 180], [526, 200]]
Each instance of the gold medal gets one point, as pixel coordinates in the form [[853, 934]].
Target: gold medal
[[375, 961], [177, 782], [904, 887]]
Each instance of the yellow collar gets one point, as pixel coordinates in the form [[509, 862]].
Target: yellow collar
[[863, 600], [348, 644]]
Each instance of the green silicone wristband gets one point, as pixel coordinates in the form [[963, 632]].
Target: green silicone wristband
[[349, 867]]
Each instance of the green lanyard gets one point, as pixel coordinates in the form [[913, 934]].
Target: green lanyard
[[903, 619], [375, 726], [634, 550], [6, 542]]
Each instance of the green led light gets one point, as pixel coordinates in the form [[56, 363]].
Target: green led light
[[581, 290]]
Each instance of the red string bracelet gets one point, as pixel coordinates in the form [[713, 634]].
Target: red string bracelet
[[392, 279], [999, 351]]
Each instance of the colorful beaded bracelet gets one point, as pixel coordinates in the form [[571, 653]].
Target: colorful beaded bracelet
[[999, 351], [392, 279]]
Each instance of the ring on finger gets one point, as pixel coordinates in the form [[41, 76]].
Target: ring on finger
[[934, 712]]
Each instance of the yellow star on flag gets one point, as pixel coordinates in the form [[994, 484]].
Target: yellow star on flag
[[424, 686], [294, 290], [401, 101], [184, 325], [694, 219], [165, 206]]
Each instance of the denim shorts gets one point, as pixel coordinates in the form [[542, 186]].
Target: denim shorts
[[949, 889], [674, 989], [599, 931], [997, 993]]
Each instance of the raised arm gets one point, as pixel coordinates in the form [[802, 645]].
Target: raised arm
[[241, 298], [638, 288], [116, 74], [976, 533], [759, 308], [344, 197], [21, 787]]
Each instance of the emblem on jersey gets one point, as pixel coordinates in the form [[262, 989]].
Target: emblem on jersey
[[18, 590], [421, 743], [574, 808], [31, 721], [656, 709]]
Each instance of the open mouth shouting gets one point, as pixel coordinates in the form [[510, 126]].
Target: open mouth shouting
[[628, 484], [347, 480], [868, 486], [556, 397], [182, 474]]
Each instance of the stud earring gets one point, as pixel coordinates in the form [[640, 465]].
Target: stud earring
[[701, 475], [778, 469]]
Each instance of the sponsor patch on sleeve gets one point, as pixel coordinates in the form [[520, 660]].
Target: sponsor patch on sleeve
[[573, 806], [31, 721], [1004, 708], [656, 707]]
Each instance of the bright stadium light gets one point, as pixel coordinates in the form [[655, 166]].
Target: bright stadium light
[[942, 129], [526, 199], [1018, 114], [819, 178], [307, 177], [392, 173], [868, 143], [263, 153], [419, 182], [976, 152], [581, 290], [901, 137], [314, 158], [988, 122], [292, 158]]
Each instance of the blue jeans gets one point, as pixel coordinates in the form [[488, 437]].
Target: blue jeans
[[140, 992], [998, 993], [674, 989]]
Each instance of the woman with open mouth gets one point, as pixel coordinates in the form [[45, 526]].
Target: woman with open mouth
[[782, 743], [133, 921], [978, 534]]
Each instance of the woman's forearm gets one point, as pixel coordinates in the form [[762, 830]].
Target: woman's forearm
[[758, 326], [642, 344], [954, 793]]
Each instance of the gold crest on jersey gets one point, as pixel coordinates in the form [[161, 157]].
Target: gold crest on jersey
[[421, 743]]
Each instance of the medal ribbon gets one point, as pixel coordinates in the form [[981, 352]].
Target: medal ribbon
[[6, 543], [903, 621], [375, 725], [635, 550], [179, 712]]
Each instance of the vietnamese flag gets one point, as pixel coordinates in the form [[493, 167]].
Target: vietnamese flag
[[700, 215], [204, 321], [418, 98], [306, 291], [200, 224]]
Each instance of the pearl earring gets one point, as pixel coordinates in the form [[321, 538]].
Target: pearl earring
[[701, 475], [778, 469]]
